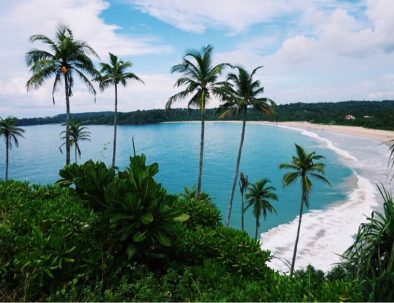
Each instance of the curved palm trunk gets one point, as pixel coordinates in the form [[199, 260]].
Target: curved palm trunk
[[298, 233], [6, 156], [230, 204], [76, 154], [257, 228], [67, 121], [201, 153], [115, 125]]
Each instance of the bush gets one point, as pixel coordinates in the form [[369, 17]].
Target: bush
[[233, 248], [202, 212], [44, 232], [137, 214]]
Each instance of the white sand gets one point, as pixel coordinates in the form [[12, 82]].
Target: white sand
[[381, 135]]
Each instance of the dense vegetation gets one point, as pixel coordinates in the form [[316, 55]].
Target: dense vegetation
[[100, 234], [371, 114]]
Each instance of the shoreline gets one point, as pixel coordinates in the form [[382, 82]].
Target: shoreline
[[327, 233], [381, 135]]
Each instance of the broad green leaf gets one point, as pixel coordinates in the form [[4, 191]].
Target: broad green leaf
[[182, 218], [139, 236], [162, 238], [147, 218]]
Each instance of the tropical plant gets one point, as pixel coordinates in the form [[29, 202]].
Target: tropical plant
[[133, 205], [371, 257], [202, 211], [243, 184], [259, 197], [77, 133], [303, 166], [200, 79], [239, 93], [11, 132], [66, 58], [115, 73]]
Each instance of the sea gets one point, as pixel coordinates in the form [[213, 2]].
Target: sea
[[353, 166]]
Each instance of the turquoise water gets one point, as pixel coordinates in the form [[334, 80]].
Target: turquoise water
[[176, 148]]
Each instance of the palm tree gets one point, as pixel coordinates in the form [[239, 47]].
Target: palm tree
[[77, 134], [239, 93], [243, 184], [66, 57], [259, 196], [303, 166], [11, 133], [200, 79], [113, 73]]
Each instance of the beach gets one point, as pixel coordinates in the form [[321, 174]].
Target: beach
[[381, 135], [326, 234]]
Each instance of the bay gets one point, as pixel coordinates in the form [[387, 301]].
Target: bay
[[175, 146]]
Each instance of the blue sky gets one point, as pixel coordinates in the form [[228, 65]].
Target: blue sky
[[322, 50]]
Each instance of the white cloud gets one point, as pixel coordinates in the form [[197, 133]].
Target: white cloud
[[195, 16], [342, 59]]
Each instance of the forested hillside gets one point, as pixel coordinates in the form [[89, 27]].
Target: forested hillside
[[371, 114]]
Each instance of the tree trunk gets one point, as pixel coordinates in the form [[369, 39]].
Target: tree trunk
[[7, 147], [242, 212], [67, 120], [115, 125], [298, 234], [76, 154], [257, 228], [201, 152], [230, 204]]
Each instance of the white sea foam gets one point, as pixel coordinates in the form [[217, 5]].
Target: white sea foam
[[329, 144], [325, 234]]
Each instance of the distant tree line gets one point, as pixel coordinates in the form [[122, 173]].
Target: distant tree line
[[370, 114]]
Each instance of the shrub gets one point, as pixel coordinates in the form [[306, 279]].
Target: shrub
[[44, 232], [135, 209], [202, 213], [233, 248]]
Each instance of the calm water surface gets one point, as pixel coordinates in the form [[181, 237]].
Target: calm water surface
[[175, 147]]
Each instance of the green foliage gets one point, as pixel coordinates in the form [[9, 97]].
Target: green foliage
[[371, 257], [202, 211], [133, 206], [370, 114], [47, 231], [233, 248], [43, 232]]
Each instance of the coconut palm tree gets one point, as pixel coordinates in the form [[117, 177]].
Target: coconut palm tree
[[77, 134], [243, 184], [239, 93], [11, 133], [115, 73], [303, 166], [200, 78], [259, 196], [65, 58]]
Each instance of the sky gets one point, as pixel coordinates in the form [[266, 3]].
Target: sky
[[311, 50]]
